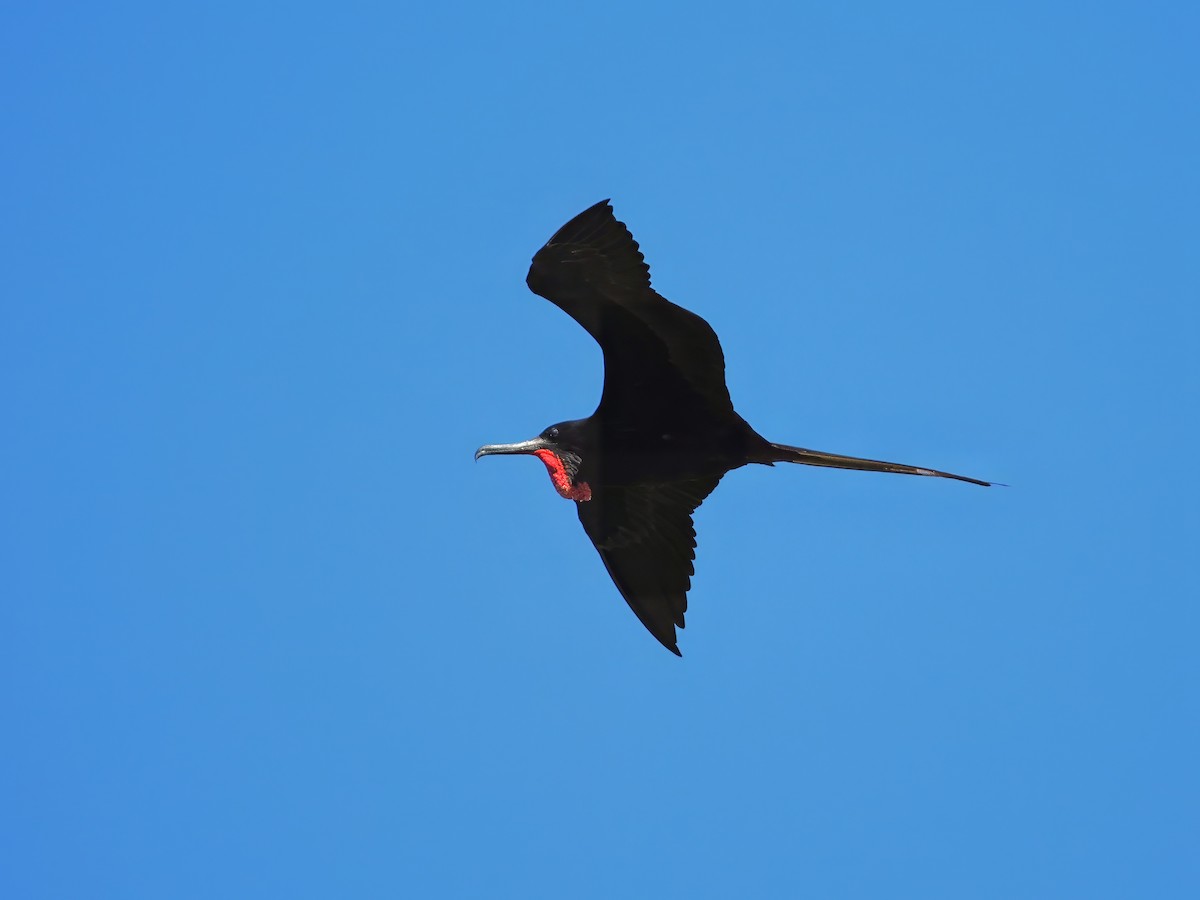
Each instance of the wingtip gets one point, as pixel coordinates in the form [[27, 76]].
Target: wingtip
[[583, 228]]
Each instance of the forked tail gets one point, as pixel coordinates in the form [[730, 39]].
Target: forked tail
[[834, 461]]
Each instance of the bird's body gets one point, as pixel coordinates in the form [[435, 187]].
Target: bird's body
[[665, 431]]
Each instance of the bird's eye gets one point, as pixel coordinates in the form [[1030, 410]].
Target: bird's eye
[[552, 434]]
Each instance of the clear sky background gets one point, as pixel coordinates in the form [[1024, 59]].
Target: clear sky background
[[268, 631]]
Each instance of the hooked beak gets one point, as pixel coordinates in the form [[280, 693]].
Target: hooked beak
[[530, 446]]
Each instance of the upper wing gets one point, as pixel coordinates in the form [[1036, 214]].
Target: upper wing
[[647, 541], [656, 354]]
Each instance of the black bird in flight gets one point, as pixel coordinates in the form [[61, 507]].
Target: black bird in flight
[[665, 431]]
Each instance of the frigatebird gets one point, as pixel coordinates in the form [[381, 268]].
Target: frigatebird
[[665, 432]]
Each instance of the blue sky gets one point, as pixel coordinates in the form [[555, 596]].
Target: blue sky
[[267, 630]]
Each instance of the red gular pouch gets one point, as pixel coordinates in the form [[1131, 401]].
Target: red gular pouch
[[579, 492]]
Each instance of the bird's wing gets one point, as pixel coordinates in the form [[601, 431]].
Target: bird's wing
[[655, 353], [645, 537]]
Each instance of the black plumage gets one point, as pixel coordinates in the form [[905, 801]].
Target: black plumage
[[665, 430]]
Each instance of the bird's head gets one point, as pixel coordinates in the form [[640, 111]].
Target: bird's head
[[561, 454]]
